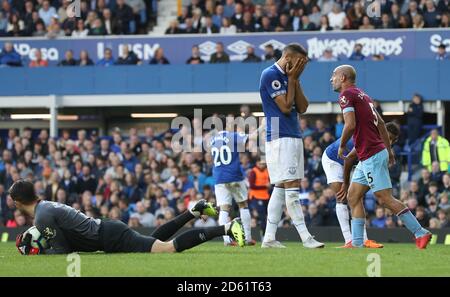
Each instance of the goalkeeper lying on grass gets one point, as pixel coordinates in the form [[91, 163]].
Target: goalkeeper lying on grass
[[68, 230]]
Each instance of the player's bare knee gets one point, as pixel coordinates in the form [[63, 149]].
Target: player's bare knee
[[383, 197], [163, 247], [243, 204], [291, 184], [225, 207]]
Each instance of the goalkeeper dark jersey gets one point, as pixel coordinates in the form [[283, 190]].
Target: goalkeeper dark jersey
[[69, 230], [66, 229]]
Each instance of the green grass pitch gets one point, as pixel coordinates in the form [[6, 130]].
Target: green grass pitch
[[213, 259]]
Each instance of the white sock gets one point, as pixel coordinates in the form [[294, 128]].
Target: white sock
[[365, 233], [246, 221], [295, 211], [274, 212], [343, 216], [224, 218]]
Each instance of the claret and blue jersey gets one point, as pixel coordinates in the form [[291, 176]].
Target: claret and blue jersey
[[225, 149]]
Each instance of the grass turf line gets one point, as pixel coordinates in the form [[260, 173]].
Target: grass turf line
[[213, 259]]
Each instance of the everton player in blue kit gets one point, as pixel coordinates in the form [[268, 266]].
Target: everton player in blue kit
[[372, 146], [338, 172], [283, 100], [229, 177]]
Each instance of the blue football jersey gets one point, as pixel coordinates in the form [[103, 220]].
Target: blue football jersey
[[225, 149], [272, 84], [332, 150]]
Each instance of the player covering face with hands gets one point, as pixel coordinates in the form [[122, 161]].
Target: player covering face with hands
[[283, 100], [68, 230]]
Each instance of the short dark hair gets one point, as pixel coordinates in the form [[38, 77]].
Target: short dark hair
[[393, 128], [295, 47], [23, 191]]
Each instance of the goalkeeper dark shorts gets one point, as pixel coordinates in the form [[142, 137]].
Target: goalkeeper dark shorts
[[117, 237]]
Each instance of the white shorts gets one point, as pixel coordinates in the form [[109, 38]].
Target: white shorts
[[226, 192], [284, 158], [333, 170]]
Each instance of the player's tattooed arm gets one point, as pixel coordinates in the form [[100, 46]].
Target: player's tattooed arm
[[349, 128], [385, 137], [349, 162]]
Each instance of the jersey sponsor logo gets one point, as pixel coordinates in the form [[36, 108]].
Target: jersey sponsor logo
[[276, 85], [49, 233]]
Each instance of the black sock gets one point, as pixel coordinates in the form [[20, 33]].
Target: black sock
[[164, 232], [194, 237]]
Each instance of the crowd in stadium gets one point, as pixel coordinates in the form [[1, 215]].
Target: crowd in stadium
[[49, 18], [141, 180], [231, 16]]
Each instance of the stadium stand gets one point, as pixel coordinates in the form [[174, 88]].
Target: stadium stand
[[135, 176]]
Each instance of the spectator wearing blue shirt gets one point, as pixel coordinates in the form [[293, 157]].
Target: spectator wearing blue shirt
[[218, 16], [46, 12], [129, 160], [380, 219], [357, 53], [186, 183], [442, 53], [9, 56], [339, 126], [228, 9], [305, 129], [430, 15], [108, 59], [197, 177], [131, 190]]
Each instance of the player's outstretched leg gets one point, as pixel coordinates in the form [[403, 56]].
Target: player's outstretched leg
[[192, 238], [274, 212], [295, 211], [422, 235], [167, 230]]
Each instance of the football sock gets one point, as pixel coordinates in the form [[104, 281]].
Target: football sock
[[194, 237], [358, 231], [295, 211], [167, 230], [246, 221], [411, 223], [224, 218], [343, 216], [274, 211]]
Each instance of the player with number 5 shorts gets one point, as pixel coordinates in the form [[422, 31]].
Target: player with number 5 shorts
[[373, 149]]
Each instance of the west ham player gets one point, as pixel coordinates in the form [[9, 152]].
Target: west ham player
[[283, 100], [373, 149], [68, 230], [229, 177], [338, 173]]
